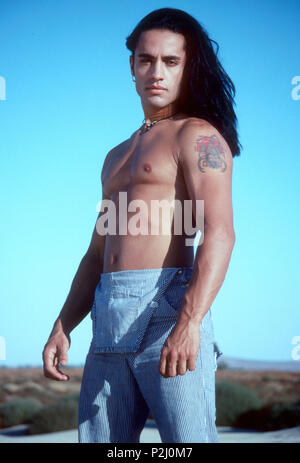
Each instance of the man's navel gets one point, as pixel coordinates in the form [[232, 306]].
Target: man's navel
[[114, 258]]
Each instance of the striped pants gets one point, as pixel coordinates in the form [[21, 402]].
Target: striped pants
[[133, 314]]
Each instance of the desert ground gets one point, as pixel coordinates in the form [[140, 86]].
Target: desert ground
[[270, 385]]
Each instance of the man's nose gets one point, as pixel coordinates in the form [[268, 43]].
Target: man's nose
[[157, 70]]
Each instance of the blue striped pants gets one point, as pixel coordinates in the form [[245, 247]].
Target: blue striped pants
[[133, 313]]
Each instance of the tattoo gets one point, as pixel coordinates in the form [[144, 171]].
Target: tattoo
[[211, 153]]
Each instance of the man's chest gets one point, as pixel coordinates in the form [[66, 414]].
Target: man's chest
[[143, 160]]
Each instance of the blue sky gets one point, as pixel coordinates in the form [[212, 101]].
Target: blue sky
[[70, 99]]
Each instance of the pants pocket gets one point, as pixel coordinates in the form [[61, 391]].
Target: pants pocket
[[115, 322], [173, 299], [173, 296]]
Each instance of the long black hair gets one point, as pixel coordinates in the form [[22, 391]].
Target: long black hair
[[207, 90]]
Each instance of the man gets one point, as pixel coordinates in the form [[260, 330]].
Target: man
[[153, 343]]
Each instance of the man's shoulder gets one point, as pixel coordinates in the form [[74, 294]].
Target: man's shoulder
[[194, 129], [120, 145], [192, 126]]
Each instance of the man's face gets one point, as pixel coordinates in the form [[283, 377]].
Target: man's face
[[159, 62]]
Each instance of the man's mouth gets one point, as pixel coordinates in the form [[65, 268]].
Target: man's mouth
[[156, 89], [157, 86]]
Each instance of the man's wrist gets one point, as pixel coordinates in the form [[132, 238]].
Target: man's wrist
[[60, 327], [191, 315]]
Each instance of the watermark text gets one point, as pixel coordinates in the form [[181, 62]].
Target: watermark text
[[155, 217], [2, 348], [296, 89], [296, 350], [2, 88]]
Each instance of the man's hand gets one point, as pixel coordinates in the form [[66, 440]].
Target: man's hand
[[180, 350], [55, 353]]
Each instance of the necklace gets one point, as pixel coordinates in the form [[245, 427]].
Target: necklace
[[147, 125]]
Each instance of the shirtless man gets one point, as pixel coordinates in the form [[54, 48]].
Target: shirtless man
[[178, 156]]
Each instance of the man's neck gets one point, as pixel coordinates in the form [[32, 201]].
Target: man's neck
[[155, 114]]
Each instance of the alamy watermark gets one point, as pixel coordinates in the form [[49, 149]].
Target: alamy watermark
[[296, 90], [2, 348], [296, 350], [2, 88], [162, 215]]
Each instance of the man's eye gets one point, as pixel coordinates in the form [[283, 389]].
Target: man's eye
[[172, 62]]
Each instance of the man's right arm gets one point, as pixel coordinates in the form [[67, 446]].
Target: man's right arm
[[77, 305]]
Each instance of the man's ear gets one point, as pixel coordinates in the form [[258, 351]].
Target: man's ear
[[131, 64]]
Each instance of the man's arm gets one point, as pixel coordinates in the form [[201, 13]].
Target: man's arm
[[78, 304], [206, 162]]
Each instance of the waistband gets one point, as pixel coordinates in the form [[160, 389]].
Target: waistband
[[144, 277]]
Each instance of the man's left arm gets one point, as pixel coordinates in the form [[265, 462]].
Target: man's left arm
[[206, 162]]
